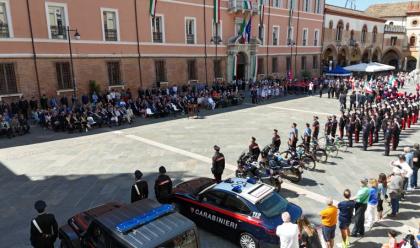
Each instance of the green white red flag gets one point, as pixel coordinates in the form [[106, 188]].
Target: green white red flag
[[152, 8], [216, 11]]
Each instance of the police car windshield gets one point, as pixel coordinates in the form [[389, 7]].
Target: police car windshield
[[272, 205]]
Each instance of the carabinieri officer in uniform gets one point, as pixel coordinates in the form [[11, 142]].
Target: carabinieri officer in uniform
[[44, 228]]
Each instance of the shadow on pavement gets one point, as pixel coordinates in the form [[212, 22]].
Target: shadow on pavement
[[64, 195]]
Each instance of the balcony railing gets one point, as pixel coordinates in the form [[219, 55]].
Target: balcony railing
[[394, 29], [58, 32], [239, 5], [157, 37], [190, 39], [4, 30], [111, 35]]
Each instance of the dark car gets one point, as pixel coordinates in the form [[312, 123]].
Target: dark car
[[144, 224], [240, 209]]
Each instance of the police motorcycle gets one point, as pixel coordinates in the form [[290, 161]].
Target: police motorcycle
[[290, 169], [248, 168]]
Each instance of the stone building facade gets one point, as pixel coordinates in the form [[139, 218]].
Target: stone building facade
[[122, 46]]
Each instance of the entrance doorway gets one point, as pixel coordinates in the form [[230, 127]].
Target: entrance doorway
[[241, 66]]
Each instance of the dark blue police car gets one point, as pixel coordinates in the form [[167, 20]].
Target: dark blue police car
[[240, 209]]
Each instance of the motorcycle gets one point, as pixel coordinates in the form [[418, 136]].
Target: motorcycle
[[290, 169], [247, 168]]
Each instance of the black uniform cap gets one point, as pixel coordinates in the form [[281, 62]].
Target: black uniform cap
[[138, 174], [275, 130], [162, 169], [216, 148], [40, 206]]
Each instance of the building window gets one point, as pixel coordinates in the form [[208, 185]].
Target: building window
[[277, 3], [219, 33], [217, 68], [290, 36], [274, 65], [306, 6], [192, 70], [314, 62], [412, 41], [291, 4], [57, 22], [339, 31], [364, 33], [394, 40], [4, 21], [374, 34], [391, 23], [288, 64], [276, 32], [63, 75], [261, 33], [305, 37], [7, 79], [114, 73], [331, 24], [303, 63], [157, 29], [110, 25], [190, 30], [160, 71], [316, 37], [414, 23], [318, 6], [260, 66]]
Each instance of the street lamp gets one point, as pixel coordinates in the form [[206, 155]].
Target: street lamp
[[76, 37], [216, 40]]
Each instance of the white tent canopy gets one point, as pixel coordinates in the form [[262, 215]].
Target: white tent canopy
[[371, 67]]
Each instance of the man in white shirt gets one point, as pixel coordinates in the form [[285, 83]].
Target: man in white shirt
[[406, 170], [288, 233]]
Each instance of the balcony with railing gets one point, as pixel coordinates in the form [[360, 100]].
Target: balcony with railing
[[4, 30], [394, 29], [157, 37], [190, 39], [111, 35], [239, 5], [58, 32]]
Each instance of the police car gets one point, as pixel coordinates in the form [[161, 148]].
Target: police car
[[144, 224], [240, 209]]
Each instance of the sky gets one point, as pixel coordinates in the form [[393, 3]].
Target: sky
[[362, 4]]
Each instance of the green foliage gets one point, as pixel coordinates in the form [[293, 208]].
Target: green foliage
[[306, 75], [94, 87]]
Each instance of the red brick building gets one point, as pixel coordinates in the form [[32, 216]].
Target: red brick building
[[121, 45]]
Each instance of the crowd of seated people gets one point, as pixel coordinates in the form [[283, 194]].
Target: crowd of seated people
[[14, 118], [112, 108]]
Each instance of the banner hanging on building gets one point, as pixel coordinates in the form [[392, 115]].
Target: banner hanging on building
[[261, 10], [216, 12], [152, 8]]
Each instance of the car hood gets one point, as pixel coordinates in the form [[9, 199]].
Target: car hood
[[294, 211]]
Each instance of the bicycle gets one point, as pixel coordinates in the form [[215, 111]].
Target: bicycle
[[318, 153], [306, 160], [329, 146]]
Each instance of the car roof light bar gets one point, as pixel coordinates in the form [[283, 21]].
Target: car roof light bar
[[142, 219]]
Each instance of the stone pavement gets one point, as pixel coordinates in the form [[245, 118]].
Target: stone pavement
[[73, 172]]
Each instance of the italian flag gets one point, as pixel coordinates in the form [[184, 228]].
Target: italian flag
[[261, 10], [243, 30], [216, 11], [152, 9], [247, 4]]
